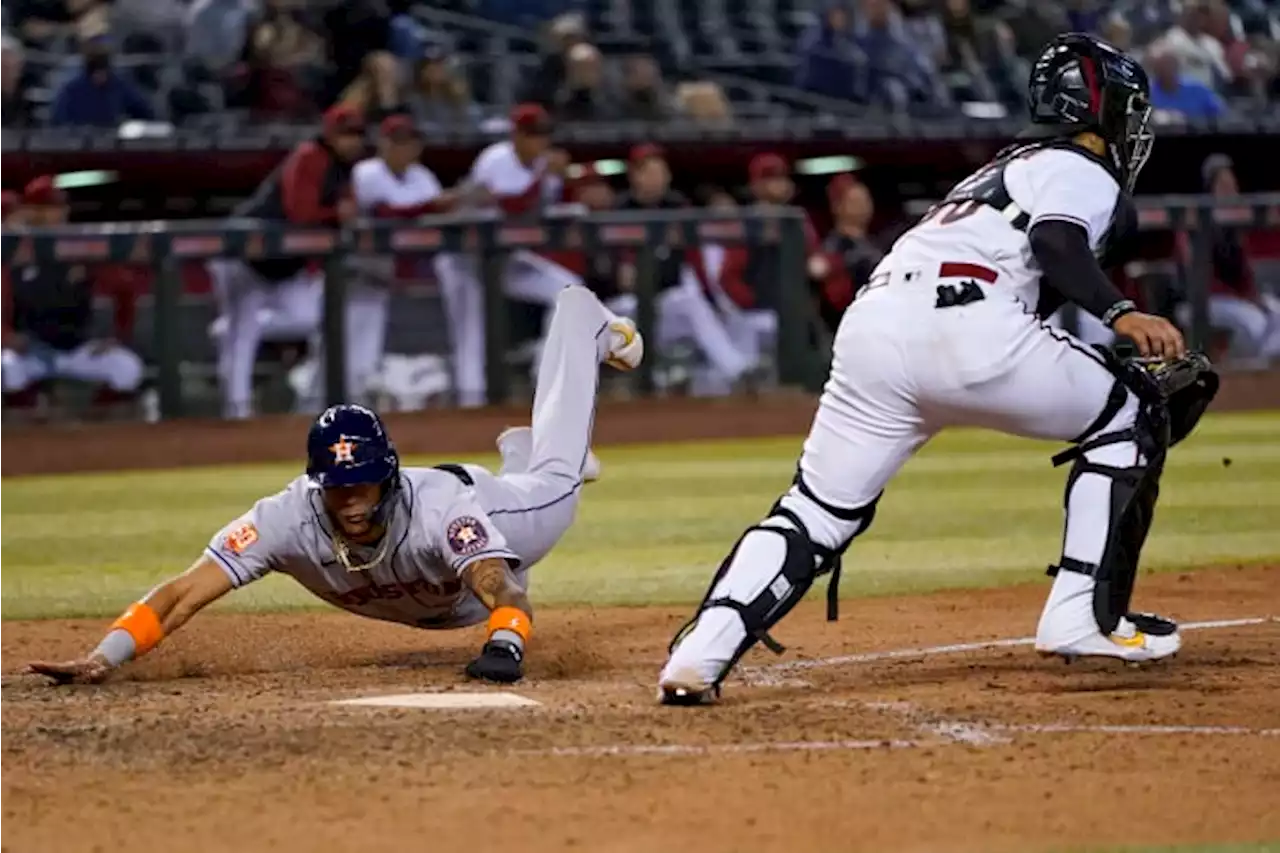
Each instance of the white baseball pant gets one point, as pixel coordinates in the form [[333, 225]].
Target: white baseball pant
[[528, 276], [115, 366]]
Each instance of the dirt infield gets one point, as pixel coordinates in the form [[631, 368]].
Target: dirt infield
[[53, 449], [224, 741]]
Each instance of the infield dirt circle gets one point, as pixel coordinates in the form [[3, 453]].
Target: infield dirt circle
[[225, 739]]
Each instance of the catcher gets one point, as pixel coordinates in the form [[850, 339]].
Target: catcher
[[947, 332], [436, 548]]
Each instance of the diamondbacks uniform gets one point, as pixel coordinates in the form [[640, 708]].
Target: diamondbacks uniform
[[528, 277], [946, 333]]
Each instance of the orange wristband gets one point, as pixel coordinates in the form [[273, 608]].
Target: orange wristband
[[141, 622], [511, 619]]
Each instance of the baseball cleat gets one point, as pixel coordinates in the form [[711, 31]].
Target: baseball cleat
[[628, 345], [1126, 643], [685, 688]]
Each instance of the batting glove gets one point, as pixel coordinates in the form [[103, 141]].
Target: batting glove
[[500, 661]]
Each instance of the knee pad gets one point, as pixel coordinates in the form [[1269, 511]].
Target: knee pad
[[774, 563], [1133, 488]]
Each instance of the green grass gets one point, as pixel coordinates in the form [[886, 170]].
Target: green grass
[[974, 509]]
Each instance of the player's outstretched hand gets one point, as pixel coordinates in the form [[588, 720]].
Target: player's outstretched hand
[[1155, 337], [500, 662], [90, 670]]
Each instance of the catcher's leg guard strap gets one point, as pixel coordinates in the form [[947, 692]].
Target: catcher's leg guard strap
[[833, 529], [1110, 502], [768, 571]]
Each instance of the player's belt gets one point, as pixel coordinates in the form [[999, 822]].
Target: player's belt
[[457, 471], [946, 269]]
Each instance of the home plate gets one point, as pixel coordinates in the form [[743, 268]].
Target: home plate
[[442, 701]]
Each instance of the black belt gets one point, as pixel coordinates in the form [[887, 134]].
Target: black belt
[[458, 471]]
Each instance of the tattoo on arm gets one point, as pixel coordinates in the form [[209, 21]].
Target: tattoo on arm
[[493, 584]]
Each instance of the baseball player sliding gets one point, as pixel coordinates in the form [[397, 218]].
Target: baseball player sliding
[[948, 332], [436, 548]]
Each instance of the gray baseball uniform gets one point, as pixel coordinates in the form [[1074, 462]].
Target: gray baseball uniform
[[444, 520]]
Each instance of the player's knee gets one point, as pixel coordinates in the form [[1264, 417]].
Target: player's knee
[[828, 526], [127, 370]]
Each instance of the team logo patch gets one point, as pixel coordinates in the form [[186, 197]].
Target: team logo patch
[[343, 451], [242, 537], [467, 536]]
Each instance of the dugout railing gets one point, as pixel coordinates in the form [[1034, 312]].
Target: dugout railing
[[166, 245]]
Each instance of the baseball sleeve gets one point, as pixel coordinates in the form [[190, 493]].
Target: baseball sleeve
[[253, 544], [466, 534], [1061, 185], [369, 185]]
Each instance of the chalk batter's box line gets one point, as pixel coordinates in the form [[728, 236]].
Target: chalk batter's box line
[[958, 648]]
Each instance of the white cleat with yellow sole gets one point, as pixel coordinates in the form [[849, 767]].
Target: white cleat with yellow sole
[[626, 349], [1128, 642]]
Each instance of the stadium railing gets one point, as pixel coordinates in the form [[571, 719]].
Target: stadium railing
[[166, 244], [491, 239]]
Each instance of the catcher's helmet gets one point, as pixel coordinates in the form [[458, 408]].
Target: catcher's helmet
[[349, 446], [1081, 83]]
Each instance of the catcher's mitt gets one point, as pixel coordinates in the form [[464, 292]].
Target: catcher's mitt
[[1186, 385]]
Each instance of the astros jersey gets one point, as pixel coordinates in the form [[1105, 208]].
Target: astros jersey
[[1036, 184], [437, 526]]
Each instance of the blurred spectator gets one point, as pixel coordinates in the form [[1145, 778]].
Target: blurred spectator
[[685, 312], [561, 35], [148, 26], [1034, 23], [649, 180], [279, 299], [43, 22], [922, 24], [599, 267], [520, 175], [1250, 68], [898, 74], [1235, 301], [751, 275], [704, 102], [9, 209], [48, 317], [1117, 31], [1084, 16], [97, 94], [377, 91], [1200, 56], [644, 96], [828, 59], [16, 111], [1149, 18], [585, 95], [520, 12], [280, 75], [217, 31], [1174, 93], [974, 49], [849, 248], [353, 29], [440, 94]]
